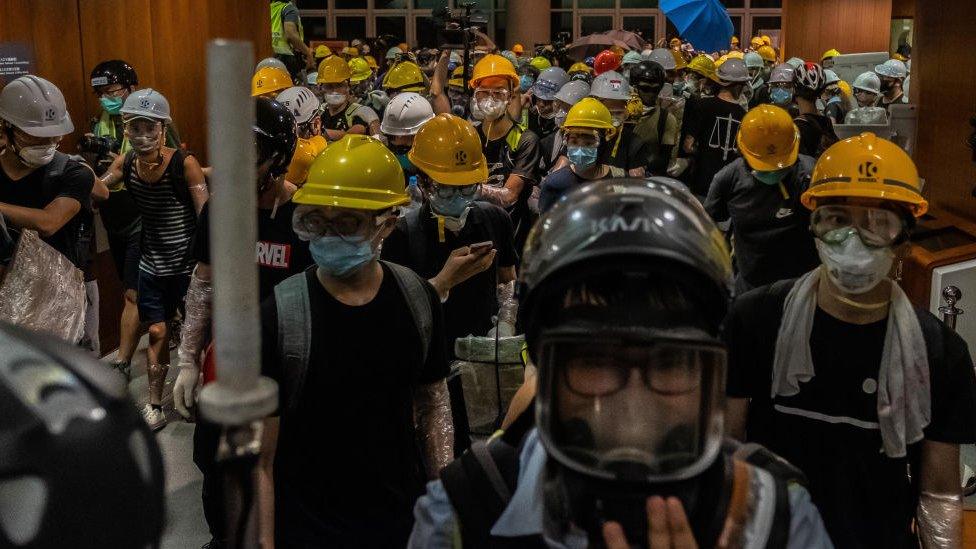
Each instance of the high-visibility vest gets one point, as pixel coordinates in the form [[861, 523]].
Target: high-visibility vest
[[279, 43]]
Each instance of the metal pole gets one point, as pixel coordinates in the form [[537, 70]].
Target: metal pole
[[240, 397], [951, 295]]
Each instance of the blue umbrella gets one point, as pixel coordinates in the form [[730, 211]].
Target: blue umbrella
[[704, 23]]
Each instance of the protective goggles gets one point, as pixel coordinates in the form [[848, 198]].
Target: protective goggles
[[137, 127], [311, 222], [450, 191], [877, 227], [574, 137], [498, 94]]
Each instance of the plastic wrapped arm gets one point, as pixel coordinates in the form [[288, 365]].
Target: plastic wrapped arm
[[198, 300], [940, 520], [432, 410]]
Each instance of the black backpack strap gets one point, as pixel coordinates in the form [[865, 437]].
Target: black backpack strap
[[416, 239], [54, 169], [294, 338], [479, 485], [178, 177], [662, 123]]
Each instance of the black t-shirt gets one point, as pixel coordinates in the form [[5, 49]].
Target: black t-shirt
[[523, 160], [338, 121], [772, 235], [836, 112], [816, 134], [714, 124], [830, 428], [280, 253], [632, 150], [348, 466], [471, 304], [76, 183]]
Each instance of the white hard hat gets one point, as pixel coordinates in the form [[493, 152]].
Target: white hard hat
[[146, 103], [830, 77], [36, 107], [753, 60], [405, 114], [271, 62], [393, 52], [312, 78], [301, 102], [733, 70], [663, 57], [892, 68], [631, 58], [867, 81], [782, 74], [572, 92], [610, 85], [867, 115], [795, 62], [646, 54], [549, 82]]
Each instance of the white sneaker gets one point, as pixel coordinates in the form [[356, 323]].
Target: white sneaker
[[154, 417]]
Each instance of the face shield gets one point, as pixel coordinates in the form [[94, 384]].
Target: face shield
[[640, 407]]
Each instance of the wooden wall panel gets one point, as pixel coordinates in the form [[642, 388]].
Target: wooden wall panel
[[811, 27], [902, 9], [943, 72]]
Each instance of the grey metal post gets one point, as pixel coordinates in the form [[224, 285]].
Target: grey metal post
[[951, 295]]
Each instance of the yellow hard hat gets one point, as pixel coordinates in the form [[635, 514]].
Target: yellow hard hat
[[333, 70], [517, 49], [756, 42], [589, 112], [322, 51], [359, 70], [457, 78], [675, 43], [371, 61], [866, 167], [617, 50], [703, 65], [767, 40], [635, 107], [735, 41], [767, 53], [540, 63], [829, 53], [493, 65], [845, 88], [720, 60], [350, 51], [269, 80], [405, 76], [403, 47], [679, 60], [899, 57], [579, 67], [306, 151], [355, 172], [735, 55], [768, 139], [448, 150]]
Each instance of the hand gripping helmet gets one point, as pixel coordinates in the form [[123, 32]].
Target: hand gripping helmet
[[623, 286], [78, 465], [114, 71], [276, 134]]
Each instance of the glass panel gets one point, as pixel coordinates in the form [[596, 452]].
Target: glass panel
[[901, 36], [734, 3], [600, 4], [560, 21], [349, 4], [671, 31], [500, 24], [389, 4], [595, 23], [311, 5], [348, 28], [769, 25], [638, 4], [765, 3], [561, 4], [396, 26], [737, 25], [426, 32], [314, 28], [429, 4], [642, 25]]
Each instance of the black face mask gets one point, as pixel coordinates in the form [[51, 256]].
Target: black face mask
[[886, 85], [649, 99], [399, 149]]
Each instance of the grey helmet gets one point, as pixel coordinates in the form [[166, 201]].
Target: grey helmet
[[147, 103], [36, 107]]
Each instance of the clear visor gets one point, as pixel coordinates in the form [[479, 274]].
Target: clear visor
[[632, 410], [877, 227]]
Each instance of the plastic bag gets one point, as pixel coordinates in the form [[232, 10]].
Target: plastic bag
[[487, 395], [43, 291]]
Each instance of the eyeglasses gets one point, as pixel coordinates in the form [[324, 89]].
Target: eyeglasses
[[575, 138], [499, 94], [116, 92], [310, 223], [449, 191], [877, 227]]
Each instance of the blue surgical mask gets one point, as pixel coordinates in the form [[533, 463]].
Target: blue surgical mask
[[781, 96], [582, 157], [112, 105], [773, 177], [341, 258], [449, 207], [525, 82]]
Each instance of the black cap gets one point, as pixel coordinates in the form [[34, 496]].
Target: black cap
[[276, 134], [649, 72], [115, 71]]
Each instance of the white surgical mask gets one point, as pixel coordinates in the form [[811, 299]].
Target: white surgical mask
[[144, 143], [853, 267], [492, 108], [476, 112], [38, 155], [335, 99]]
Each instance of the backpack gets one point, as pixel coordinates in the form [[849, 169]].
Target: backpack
[[176, 171], [84, 238], [295, 326]]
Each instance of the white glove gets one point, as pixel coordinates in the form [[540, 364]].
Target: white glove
[[184, 390]]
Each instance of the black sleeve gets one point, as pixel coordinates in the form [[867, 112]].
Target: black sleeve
[[638, 153], [395, 246], [717, 202], [270, 366], [750, 335], [504, 236], [525, 158], [739, 345], [689, 124], [953, 385], [201, 237], [76, 182], [809, 136], [437, 367]]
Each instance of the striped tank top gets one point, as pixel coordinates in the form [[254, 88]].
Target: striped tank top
[[168, 219]]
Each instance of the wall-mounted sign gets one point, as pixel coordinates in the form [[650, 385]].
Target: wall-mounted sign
[[16, 60]]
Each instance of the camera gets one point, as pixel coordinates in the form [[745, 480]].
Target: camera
[[458, 25], [97, 146]]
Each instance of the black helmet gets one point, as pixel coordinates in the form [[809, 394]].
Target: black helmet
[[276, 134], [650, 224], [78, 464], [649, 72], [114, 71]]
